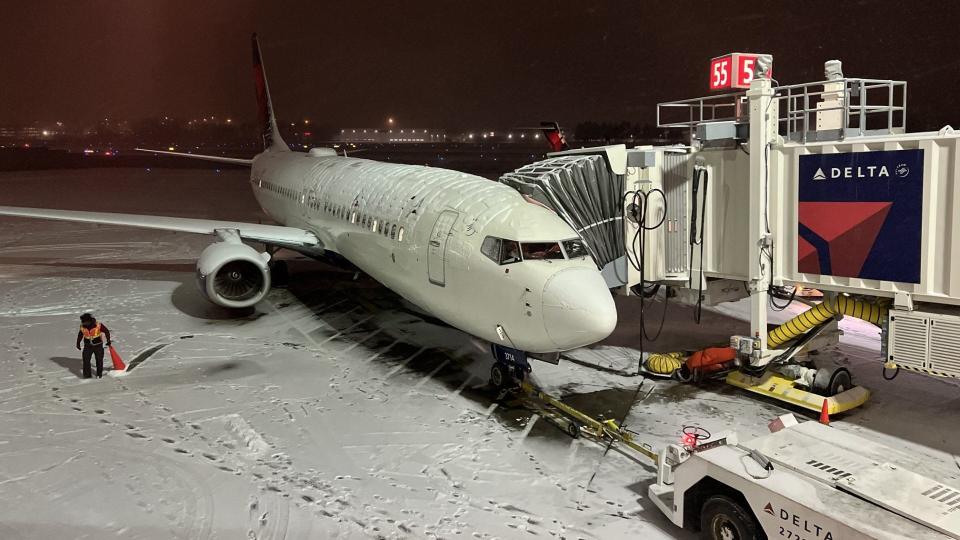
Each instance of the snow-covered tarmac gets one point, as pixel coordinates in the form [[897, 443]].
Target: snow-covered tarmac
[[331, 410]]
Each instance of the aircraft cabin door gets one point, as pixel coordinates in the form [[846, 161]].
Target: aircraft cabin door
[[436, 250]]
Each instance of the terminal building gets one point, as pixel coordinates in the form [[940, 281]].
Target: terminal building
[[393, 135]]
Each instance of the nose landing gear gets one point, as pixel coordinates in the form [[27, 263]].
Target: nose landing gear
[[510, 368]]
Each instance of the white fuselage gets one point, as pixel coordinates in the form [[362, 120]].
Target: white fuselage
[[419, 230]]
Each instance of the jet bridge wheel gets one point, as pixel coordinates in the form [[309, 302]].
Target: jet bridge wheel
[[722, 518], [830, 381]]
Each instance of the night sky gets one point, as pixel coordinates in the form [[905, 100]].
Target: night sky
[[449, 64]]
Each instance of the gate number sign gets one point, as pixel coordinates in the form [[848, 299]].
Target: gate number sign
[[734, 70]]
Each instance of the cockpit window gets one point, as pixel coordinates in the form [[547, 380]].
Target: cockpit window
[[541, 251], [501, 251], [575, 248], [491, 248], [510, 252]]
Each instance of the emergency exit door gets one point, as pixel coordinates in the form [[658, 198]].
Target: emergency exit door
[[437, 249]]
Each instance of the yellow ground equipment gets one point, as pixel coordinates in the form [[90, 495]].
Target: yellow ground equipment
[[779, 387], [823, 312], [790, 382], [577, 423], [807, 387], [664, 363]]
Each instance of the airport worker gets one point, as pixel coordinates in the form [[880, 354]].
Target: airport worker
[[92, 334]]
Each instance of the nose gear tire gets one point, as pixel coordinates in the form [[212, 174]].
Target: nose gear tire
[[498, 375]]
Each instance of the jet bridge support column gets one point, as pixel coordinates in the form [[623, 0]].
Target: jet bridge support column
[[764, 115]]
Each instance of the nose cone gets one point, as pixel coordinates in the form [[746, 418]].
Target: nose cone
[[577, 308]]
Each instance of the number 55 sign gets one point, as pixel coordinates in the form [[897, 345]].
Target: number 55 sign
[[733, 70]]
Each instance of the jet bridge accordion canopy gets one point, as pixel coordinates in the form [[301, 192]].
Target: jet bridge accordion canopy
[[584, 191]]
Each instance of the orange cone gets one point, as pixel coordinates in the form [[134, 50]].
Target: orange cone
[[120, 366], [825, 413]]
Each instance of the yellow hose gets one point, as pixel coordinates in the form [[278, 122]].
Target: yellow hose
[[664, 363], [826, 310]]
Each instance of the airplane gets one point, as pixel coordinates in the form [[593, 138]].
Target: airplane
[[467, 250]]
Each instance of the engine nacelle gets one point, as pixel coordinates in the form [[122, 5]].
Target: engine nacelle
[[233, 274]]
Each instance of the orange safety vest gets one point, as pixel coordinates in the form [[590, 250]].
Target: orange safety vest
[[90, 334]]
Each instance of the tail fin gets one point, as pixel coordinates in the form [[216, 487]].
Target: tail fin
[[554, 135], [266, 121]]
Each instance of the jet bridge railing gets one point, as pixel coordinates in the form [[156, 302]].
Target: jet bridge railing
[[689, 113], [822, 110], [859, 107]]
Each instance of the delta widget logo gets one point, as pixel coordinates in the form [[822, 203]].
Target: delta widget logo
[[859, 215]]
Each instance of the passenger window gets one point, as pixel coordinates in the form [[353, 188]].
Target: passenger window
[[541, 251]]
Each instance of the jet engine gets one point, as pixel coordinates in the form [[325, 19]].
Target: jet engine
[[232, 274]]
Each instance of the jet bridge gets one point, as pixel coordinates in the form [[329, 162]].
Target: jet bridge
[[815, 185]]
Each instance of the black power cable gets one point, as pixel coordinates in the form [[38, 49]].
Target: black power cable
[[773, 303], [696, 236], [638, 207], [780, 307]]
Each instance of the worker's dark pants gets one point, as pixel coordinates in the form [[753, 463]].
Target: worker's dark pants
[[95, 350]]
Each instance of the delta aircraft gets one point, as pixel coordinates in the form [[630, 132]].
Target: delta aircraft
[[470, 251]]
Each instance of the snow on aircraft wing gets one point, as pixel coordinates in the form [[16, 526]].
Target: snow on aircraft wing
[[269, 234], [202, 157]]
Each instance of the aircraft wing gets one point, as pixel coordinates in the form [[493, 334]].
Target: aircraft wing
[[202, 157], [269, 234]]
